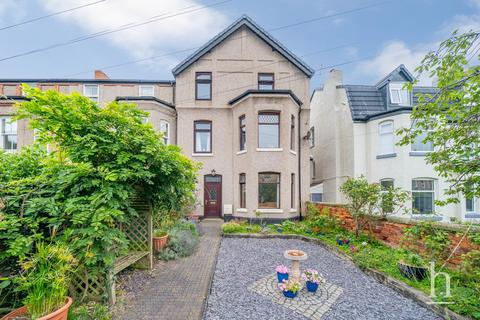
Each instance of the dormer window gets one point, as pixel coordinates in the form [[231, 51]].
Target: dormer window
[[399, 95]]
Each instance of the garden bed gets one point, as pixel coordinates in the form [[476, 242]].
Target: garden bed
[[244, 261], [377, 259]]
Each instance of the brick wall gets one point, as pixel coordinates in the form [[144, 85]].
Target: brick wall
[[390, 231]]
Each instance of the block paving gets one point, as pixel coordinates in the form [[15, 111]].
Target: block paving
[[175, 289], [309, 305]]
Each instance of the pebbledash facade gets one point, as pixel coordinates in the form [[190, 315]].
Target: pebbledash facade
[[239, 105], [353, 130]]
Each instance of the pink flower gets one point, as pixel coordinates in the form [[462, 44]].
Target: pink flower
[[281, 269]]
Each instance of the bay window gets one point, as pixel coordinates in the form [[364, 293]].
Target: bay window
[[243, 133], [165, 130], [243, 190], [269, 130], [269, 190]]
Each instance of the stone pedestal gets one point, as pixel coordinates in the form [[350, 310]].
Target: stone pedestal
[[295, 256]]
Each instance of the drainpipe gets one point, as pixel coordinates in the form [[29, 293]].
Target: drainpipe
[[299, 163]]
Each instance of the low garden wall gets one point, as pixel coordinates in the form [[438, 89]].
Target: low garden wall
[[390, 230]]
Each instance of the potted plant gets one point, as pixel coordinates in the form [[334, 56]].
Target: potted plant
[[313, 279], [290, 288], [413, 267], [45, 279], [341, 239], [282, 273], [159, 239]]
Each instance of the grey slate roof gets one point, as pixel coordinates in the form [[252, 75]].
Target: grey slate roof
[[369, 101], [259, 31]]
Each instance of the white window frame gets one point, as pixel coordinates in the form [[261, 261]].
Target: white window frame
[[166, 134], [382, 133], [5, 119], [398, 88], [95, 98], [146, 86], [423, 143], [434, 192]]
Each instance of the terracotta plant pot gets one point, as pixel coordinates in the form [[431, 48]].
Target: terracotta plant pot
[[60, 314], [159, 242]]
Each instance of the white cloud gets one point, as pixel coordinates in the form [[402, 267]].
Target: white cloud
[[170, 34], [397, 52], [391, 56]]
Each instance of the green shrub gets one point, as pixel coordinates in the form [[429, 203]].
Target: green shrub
[[182, 241], [312, 211]]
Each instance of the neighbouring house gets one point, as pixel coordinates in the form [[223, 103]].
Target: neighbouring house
[[353, 129], [239, 105]]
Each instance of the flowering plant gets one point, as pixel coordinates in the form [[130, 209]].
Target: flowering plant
[[290, 285], [312, 275], [281, 269]]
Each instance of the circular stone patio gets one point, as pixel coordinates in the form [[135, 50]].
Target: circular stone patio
[[244, 286]]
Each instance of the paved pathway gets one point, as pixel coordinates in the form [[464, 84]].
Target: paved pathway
[[176, 289]]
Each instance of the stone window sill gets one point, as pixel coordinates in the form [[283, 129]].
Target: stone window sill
[[241, 151], [269, 149], [242, 210], [472, 215], [418, 153], [293, 152], [202, 154], [388, 155], [270, 210]]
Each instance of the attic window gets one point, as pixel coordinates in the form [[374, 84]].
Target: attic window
[[399, 95]]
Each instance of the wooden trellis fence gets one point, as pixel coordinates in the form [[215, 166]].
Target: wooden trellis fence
[[87, 286]]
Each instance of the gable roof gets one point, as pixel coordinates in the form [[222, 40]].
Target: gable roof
[[255, 28], [400, 73]]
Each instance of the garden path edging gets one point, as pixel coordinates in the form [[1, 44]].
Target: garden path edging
[[400, 287]]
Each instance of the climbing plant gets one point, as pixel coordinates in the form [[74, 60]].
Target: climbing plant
[[100, 158]]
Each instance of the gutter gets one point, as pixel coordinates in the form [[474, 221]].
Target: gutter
[[299, 164]]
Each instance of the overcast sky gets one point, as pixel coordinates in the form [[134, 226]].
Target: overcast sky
[[384, 35]]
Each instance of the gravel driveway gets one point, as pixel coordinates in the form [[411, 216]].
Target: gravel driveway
[[243, 261]]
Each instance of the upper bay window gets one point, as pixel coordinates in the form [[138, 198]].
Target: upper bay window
[[203, 86], [266, 81], [386, 137], [203, 136], [399, 95], [243, 133], [146, 91], [8, 134], [292, 133], [91, 91], [269, 130]]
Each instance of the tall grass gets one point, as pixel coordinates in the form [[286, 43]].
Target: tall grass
[[45, 278]]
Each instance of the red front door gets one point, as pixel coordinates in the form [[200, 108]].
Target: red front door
[[213, 196]]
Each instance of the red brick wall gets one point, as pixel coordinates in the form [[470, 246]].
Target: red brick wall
[[391, 232]]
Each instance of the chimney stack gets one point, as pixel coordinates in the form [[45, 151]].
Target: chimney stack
[[100, 75]]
